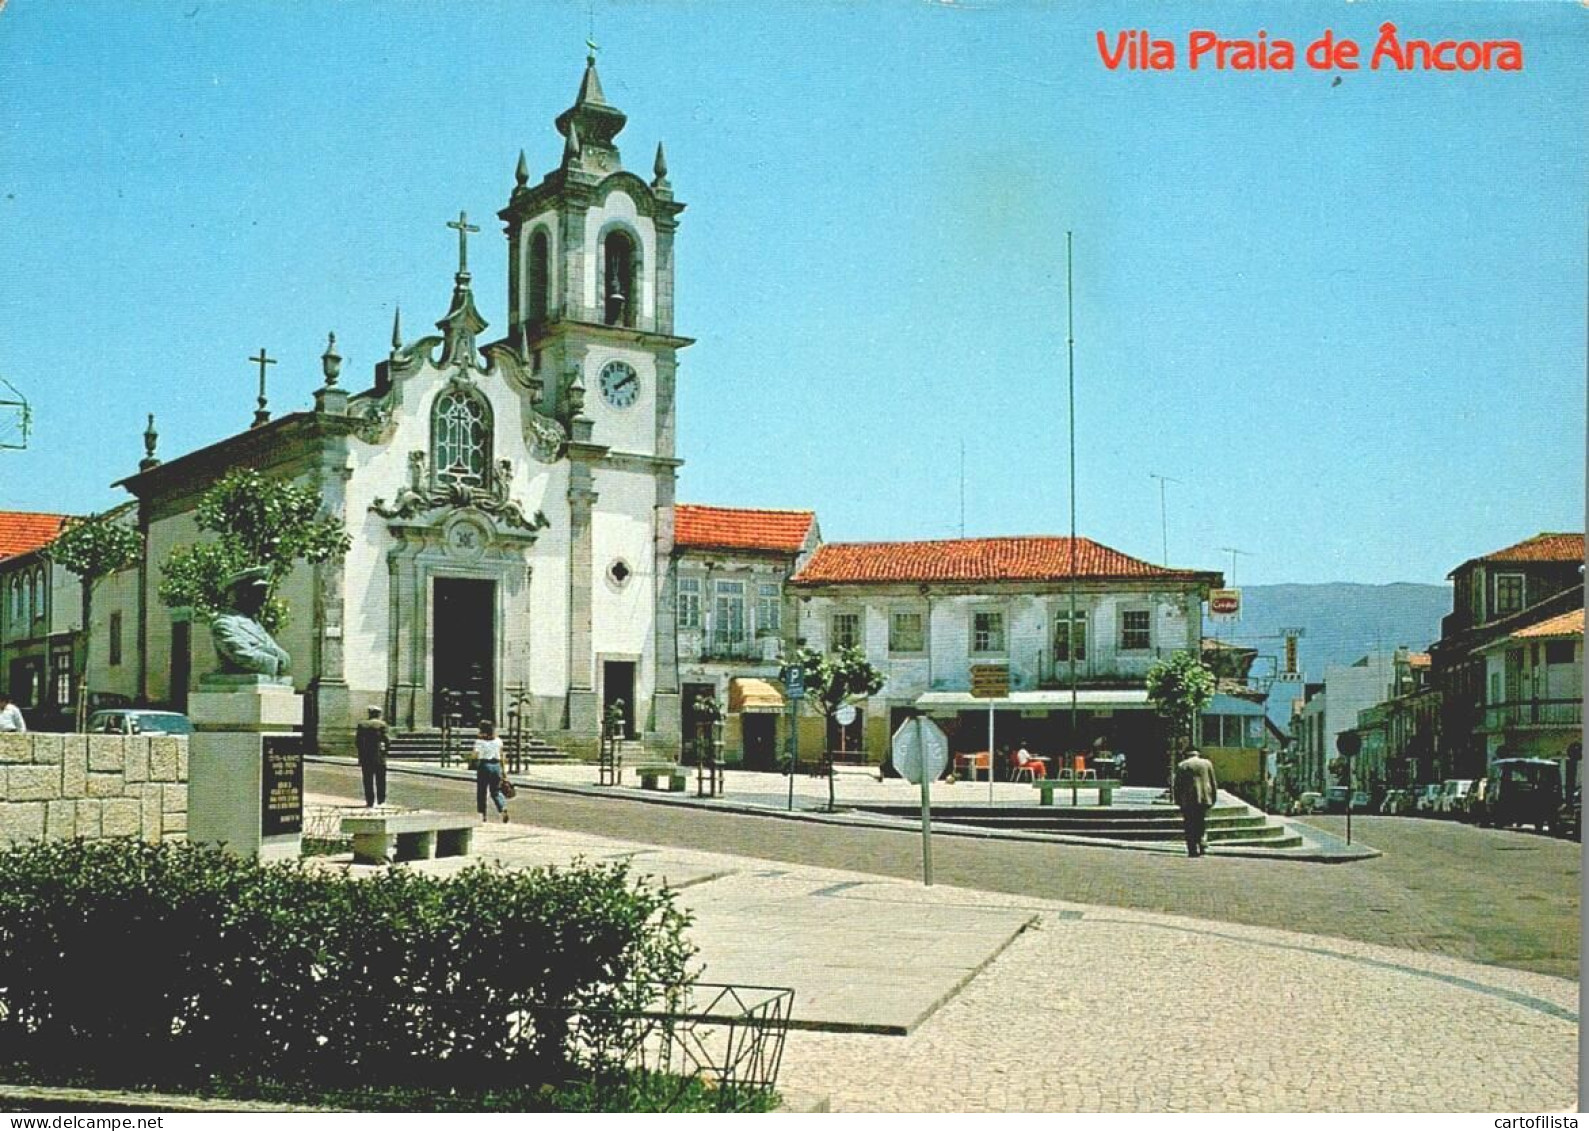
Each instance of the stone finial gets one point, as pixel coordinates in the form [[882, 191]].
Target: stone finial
[[660, 168], [262, 413], [522, 173], [397, 330], [571, 145], [331, 361], [150, 439]]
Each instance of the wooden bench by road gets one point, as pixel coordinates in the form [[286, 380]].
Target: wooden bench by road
[[653, 777], [377, 838], [1105, 788]]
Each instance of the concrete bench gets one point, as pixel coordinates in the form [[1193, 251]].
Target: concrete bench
[[409, 836], [653, 777], [1104, 786], [854, 763]]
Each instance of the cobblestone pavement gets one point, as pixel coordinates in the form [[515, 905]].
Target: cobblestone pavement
[[1488, 895], [1102, 1009]]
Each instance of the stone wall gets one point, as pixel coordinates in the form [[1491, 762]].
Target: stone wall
[[93, 786]]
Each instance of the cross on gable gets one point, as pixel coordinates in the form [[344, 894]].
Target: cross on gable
[[463, 227], [260, 414]]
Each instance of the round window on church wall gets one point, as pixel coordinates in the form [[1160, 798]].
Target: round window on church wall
[[619, 573]]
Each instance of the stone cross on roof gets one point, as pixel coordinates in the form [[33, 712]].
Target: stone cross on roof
[[463, 228], [261, 414]]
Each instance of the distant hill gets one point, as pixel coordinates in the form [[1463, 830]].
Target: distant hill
[[1342, 622]]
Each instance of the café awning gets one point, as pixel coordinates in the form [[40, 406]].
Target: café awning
[[1087, 699], [749, 696]]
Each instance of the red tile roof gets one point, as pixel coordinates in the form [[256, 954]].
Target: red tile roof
[[21, 531], [980, 559], [740, 528], [1541, 548], [1567, 624]]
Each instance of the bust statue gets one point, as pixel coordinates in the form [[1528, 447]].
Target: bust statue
[[245, 647]]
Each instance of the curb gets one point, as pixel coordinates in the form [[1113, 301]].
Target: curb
[[1325, 848]]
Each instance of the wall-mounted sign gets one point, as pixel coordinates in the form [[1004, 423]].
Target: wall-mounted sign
[[1225, 603]]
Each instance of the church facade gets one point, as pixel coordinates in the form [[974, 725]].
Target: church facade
[[510, 502]]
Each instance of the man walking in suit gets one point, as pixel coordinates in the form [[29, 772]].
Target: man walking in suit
[[1196, 790], [372, 739]]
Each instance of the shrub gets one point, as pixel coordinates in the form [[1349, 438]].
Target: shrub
[[173, 965]]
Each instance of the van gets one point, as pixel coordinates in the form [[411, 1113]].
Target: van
[[1524, 791]]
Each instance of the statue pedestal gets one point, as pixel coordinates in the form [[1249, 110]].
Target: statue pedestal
[[245, 766]]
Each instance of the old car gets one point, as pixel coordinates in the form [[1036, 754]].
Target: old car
[[138, 721], [1309, 802], [1453, 797], [1427, 799], [1569, 822], [1524, 791]]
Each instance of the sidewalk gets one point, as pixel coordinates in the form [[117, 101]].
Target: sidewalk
[[945, 999]]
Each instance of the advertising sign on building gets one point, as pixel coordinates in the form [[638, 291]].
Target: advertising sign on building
[[1225, 604]]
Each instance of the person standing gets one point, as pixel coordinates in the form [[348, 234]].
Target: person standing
[[1196, 790], [372, 738], [488, 770], [11, 721]]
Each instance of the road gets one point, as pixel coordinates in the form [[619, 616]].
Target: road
[[1486, 895]]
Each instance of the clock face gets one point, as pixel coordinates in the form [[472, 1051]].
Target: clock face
[[620, 384]]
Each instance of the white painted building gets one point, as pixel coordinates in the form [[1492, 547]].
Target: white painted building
[[1533, 704], [926, 613]]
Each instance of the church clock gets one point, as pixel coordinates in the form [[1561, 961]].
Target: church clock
[[620, 384]]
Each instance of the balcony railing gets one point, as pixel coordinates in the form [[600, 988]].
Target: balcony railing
[[715, 648], [1533, 712]]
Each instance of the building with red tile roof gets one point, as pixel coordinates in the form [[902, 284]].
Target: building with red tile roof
[[980, 560], [22, 532], [1533, 689], [698, 527], [1541, 548]]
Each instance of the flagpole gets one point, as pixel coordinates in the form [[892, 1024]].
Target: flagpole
[[1070, 346]]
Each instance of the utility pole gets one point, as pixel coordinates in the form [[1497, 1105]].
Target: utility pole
[[1164, 514], [1070, 348], [14, 434]]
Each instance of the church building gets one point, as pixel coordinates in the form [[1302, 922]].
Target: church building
[[510, 502]]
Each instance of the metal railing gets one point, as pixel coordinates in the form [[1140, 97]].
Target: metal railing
[[1533, 712]]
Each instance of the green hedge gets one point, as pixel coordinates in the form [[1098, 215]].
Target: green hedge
[[171, 965]]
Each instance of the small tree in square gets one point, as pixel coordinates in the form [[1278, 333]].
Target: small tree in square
[[1179, 688], [833, 680], [258, 521], [94, 548]]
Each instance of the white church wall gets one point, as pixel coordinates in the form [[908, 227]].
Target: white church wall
[[622, 616], [165, 535]]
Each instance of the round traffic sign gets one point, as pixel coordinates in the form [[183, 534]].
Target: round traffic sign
[[845, 715]]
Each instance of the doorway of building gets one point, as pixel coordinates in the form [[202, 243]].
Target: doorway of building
[[617, 684], [760, 736], [463, 659]]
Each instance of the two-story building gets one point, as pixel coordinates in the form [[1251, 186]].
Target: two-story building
[[1494, 596], [732, 564], [1077, 624], [40, 616], [1533, 703]]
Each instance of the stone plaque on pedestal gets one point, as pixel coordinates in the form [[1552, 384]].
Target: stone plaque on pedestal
[[245, 766]]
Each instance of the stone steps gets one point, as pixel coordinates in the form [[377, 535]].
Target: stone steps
[[1228, 824], [425, 745]]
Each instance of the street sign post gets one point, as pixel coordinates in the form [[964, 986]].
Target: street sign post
[[794, 686], [990, 682], [921, 752], [1348, 743]]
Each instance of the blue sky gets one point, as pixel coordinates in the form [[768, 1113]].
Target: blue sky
[[1348, 319]]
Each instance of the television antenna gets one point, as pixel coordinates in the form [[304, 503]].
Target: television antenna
[[16, 417]]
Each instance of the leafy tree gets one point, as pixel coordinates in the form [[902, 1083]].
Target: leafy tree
[[258, 521], [832, 680], [1179, 688], [94, 548]]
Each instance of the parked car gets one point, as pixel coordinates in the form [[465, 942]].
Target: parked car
[[1524, 791], [1453, 797], [1478, 808], [1309, 802], [1336, 798], [1427, 799], [1569, 822], [138, 721], [1360, 802]]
